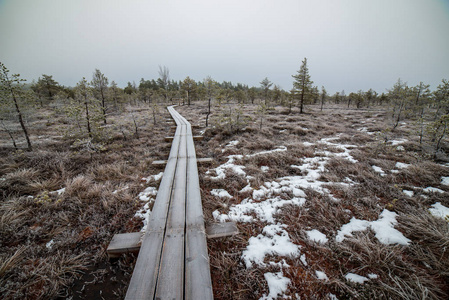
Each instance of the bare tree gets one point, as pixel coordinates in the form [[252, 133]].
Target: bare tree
[[164, 80], [12, 90]]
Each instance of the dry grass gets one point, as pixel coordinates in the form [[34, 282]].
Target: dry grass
[[100, 199], [101, 189], [417, 271]]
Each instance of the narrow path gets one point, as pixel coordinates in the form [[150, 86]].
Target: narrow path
[[173, 262]]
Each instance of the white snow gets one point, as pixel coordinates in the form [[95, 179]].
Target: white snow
[[307, 144], [408, 193], [373, 276], [433, 190], [144, 214], [321, 275], [145, 195], [277, 285], [265, 168], [378, 170], [264, 210], [439, 210], [247, 188], [229, 165], [303, 260], [220, 193], [153, 177], [316, 236], [58, 192], [365, 130], [400, 165], [355, 278], [273, 241], [398, 142], [232, 143], [50, 244], [400, 148], [383, 227], [278, 149], [445, 180]]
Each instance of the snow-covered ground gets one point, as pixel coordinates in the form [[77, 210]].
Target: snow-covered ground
[[265, 201]]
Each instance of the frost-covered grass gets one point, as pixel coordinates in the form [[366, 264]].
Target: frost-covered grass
[[61, 204], [329, 205]]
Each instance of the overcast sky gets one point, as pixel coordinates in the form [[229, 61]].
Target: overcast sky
[[350, 44]]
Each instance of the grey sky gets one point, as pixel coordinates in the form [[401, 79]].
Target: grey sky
[[350, 45]]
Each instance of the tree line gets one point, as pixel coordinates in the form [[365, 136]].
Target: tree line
[[89, 103]]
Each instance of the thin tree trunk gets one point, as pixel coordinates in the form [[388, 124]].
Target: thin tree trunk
[[22, 124], [88, 119], [208, 113], [103, 104]]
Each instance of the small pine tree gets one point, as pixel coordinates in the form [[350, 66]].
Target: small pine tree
[[303, 84]]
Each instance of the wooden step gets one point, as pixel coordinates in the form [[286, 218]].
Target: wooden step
[[221, 230], [205, 160], [123, 243]]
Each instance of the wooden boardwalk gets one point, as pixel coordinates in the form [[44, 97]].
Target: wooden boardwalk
[[173, 262]]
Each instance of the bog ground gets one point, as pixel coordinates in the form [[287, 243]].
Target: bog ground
[[330, 204]]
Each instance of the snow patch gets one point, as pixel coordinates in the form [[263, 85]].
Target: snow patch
[[229, 165], [383, 227], [400, 165], [433, 190], [273, 241], [408, 193], [445, 180], [264, 210], [378, 170], [398, 142], [145, 195], [265, 168], [156, 177], [277, 285], [355, 278], [439, 210], [232, 143], [316, 236], [144, 214], [50, 244], [321, 275], [220, 193]]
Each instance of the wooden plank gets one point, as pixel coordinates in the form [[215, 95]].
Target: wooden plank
[[221, 230], [198, 282], [168, 138], [143, 281], [171, 253], [124, 243], [159, 163], [170, 284], [205, 160], [198, 138]]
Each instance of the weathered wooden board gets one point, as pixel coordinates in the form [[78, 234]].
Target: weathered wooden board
[[173, 262], [221, 230], [124, 243], [205, 160], [159, 163]]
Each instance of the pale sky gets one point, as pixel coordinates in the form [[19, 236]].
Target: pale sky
[[350, 44]]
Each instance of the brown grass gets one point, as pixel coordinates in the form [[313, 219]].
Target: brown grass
[[416, 271]]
